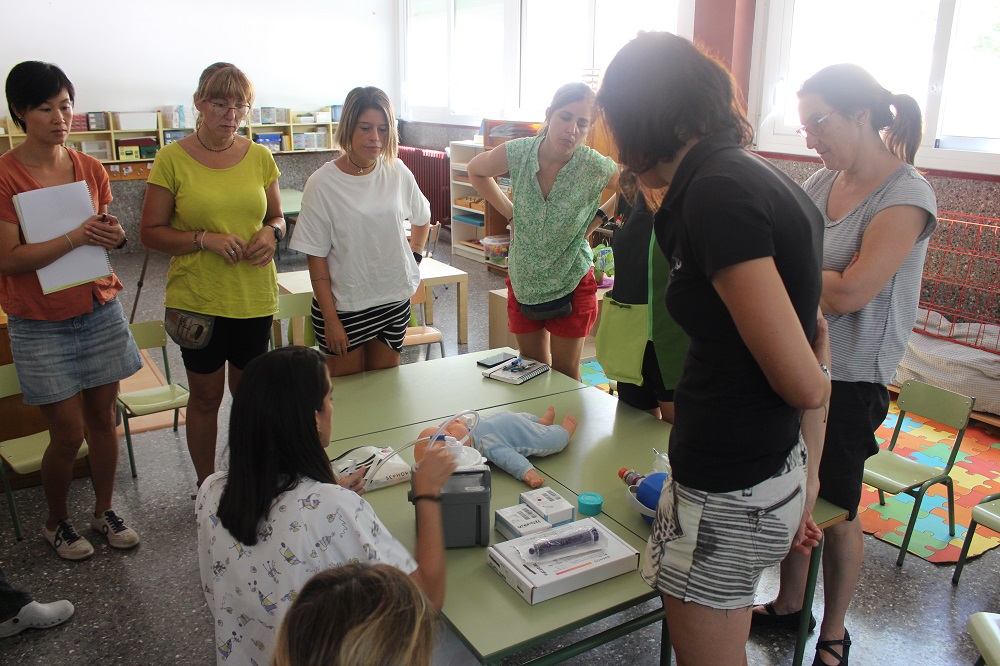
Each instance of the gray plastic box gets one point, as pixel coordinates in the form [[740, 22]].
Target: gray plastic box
[[465, 507]]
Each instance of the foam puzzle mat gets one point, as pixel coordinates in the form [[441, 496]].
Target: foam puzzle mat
[[592, 374], [976, 474]]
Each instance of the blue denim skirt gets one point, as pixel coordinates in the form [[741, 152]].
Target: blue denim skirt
[[57, 359]]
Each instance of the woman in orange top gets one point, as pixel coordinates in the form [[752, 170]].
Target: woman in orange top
[[72, 346]]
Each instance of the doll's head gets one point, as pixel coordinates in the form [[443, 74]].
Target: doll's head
[[454, 429]]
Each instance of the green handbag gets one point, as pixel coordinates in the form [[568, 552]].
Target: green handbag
[[621, 340]]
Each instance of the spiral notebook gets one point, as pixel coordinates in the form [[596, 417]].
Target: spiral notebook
[[517, 370], [49, 213]]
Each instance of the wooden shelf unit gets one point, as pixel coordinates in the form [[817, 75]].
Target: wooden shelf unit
[[468, 226]]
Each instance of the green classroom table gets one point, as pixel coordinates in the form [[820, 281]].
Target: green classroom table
[[486, 614], [436, 389]]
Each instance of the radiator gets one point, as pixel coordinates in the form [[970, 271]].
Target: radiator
[[961, 282], [432, 169]]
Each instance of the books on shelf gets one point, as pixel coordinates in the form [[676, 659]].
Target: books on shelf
[[51, 212], [517, 370]]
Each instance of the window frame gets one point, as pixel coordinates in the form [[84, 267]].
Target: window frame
[[769, 64]]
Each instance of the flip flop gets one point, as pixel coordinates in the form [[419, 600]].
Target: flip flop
[[771, 618]]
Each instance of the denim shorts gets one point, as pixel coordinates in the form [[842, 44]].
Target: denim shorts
[[711, 548], [58, 359]]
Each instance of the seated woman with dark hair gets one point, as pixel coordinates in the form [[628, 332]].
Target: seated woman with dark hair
[[277, 516], [358, 615]]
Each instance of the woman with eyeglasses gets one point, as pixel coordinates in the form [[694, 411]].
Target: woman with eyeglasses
[[878, 214], [205, 199]]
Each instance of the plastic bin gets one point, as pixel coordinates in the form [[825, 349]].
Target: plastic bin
[[496, 248]]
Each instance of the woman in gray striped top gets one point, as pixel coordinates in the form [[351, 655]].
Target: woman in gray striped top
[[878, 215]]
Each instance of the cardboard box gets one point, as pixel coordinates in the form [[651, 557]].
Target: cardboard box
[[169, 136], [539, 581], [129, 153], [130, 121], [270, 140], [324, 116], [550, 505], [518, 521]]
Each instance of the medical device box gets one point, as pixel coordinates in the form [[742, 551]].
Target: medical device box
[[517, 521], [537, 581], [550, 505], [465, 507]]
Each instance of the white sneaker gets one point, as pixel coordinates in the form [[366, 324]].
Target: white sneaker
[[37, 616], [118, 534], [69, 544]]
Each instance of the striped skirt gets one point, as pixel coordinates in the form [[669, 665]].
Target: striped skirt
[[382, 322]]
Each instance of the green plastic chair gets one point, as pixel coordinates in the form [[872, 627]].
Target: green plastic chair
[[985, 630], [987, 512], [149, 335], [889, 472], [23, 454], [295, 308]]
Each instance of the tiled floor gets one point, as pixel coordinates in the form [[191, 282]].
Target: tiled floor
[[146, 606]]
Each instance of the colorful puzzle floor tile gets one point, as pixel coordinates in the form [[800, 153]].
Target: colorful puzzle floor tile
[[592, 374], [976, 474]]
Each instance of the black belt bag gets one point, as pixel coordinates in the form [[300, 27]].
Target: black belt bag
[[554, 309]]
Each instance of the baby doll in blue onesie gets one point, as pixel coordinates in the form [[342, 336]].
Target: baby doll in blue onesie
[[506, 438]]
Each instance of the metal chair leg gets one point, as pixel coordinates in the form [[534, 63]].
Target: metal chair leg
[[128, 442], [965, 552], [951, 505], [815, 559], [917, 499], [10, 503]]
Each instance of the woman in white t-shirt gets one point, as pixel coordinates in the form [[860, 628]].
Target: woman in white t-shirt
[[277, 516], [363, 270]]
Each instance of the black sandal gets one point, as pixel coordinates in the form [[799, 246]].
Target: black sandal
[[828, 645], [771, 618]]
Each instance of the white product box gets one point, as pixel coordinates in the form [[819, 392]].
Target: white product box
[[517, 521], [138, 120], [97, 149], [550, 505], [324, 117], [539, 581]]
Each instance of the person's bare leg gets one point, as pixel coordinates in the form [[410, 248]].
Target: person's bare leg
[[346, 363], [379, 355], [794, 572], [843, 556], [202, 426], [666, 412], [569, 424], [102, 440], [566, 353], [535, 345], [706, 636], [549, 417], [532, 479], [64, 420]]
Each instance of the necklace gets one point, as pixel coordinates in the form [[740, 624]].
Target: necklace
[[361, 169], [215, 150]]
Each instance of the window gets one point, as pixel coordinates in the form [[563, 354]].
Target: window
[[943, 53], [464, 60]]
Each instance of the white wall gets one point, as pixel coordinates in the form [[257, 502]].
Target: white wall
[[137, 55]]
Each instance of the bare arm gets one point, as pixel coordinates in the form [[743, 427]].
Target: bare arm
[[608, 205], [887, 242], [482, 169], [773, 334], [434, 469], [418, 237]]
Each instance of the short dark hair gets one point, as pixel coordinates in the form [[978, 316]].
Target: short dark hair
[[659, 92], [849, 88], [31, 84], [273, 439]]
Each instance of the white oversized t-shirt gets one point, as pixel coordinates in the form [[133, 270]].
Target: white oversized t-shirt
[[356, 222]]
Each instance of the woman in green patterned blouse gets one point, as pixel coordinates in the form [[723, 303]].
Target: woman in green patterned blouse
[[557, 183]]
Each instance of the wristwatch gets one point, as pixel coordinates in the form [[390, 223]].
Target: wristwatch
[[417, 256], [122, 243], [278, 233], [601, 214]]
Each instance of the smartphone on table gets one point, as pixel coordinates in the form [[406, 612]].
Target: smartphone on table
[[496, 359]]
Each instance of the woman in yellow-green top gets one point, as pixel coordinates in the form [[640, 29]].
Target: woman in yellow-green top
[[205, 199]]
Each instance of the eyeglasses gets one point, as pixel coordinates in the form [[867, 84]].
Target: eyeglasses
[[222, 109], [815, 127]]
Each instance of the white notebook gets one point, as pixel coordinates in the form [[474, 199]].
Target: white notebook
[[517, 370], [50, 212]]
